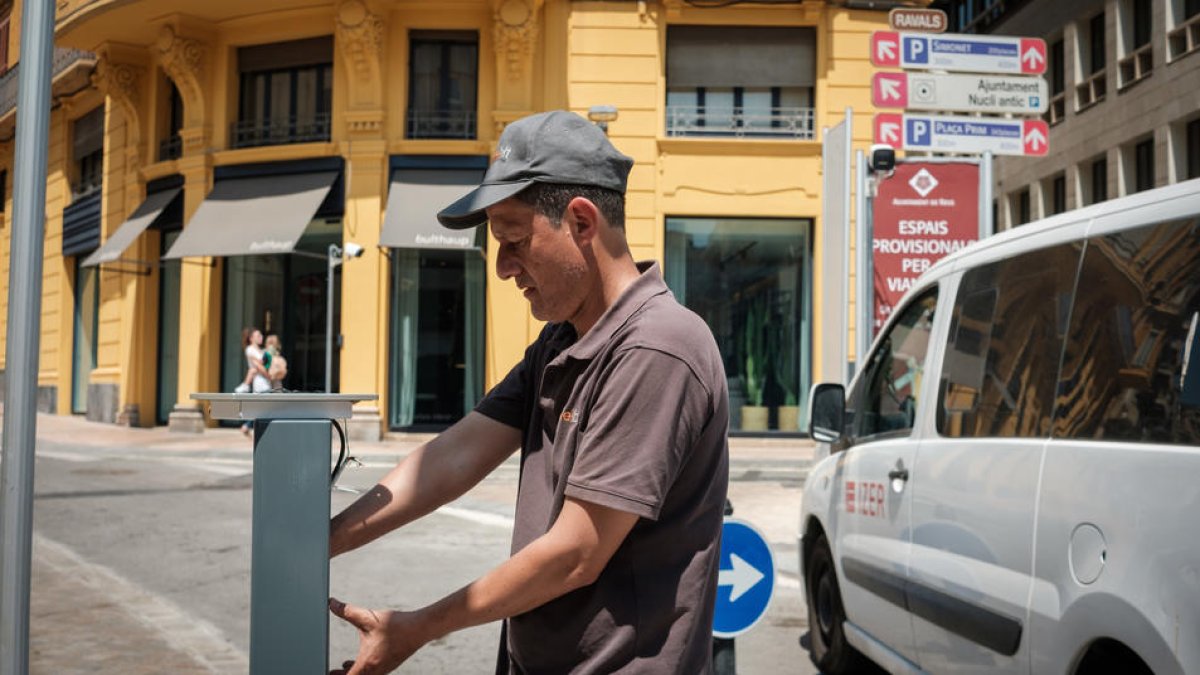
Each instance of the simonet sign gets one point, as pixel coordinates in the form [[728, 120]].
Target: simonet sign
[[918, 20]]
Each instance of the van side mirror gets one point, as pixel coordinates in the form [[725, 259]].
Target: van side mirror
[[827, 413]]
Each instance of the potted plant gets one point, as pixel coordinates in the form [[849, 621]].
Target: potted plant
[[754, 413]]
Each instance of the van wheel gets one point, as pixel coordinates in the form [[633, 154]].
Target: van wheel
[[829, 650]]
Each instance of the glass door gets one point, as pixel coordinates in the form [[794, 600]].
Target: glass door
[[87, 301]]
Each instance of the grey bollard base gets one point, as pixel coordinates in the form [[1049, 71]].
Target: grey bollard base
[[289, 578]]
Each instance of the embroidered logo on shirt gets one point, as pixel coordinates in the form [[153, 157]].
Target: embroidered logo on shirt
[[569, 416]]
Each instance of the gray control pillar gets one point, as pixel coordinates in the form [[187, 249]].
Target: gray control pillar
[[289, 571]]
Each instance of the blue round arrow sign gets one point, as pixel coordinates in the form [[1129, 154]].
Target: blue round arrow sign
[[746, 579]]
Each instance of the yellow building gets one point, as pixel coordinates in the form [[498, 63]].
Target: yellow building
[[205, 156]]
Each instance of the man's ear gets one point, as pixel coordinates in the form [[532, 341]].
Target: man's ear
[[584, 219]]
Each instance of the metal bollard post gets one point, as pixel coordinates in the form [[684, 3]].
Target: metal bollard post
[[724, 654]]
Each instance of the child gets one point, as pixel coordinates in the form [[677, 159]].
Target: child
[[275, 363]]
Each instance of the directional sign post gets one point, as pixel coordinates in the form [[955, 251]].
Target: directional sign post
[[962, 53], [746, 579], [937, 133], [960, 93]]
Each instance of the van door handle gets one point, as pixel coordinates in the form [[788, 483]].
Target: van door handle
[[898, 474]]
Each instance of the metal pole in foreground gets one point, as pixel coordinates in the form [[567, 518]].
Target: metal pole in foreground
[[24, 328]]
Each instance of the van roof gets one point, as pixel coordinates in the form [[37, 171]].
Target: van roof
[[1073, 225]]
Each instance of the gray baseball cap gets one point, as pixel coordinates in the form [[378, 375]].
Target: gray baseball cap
[[549, 147]]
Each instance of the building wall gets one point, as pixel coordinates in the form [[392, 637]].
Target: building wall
[[1155, 106], [563, 55]]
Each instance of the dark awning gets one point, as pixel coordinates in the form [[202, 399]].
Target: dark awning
[[142, 218], [415, 197], [256, 215]]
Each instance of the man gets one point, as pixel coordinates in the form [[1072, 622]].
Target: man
[[620, 411]]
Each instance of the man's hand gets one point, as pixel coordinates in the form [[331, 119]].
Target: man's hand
[[385, 638]]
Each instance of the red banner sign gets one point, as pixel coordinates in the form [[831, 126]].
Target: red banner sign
[[922, 213]]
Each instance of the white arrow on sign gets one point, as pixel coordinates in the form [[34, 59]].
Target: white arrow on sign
[[743, 576], [889, 89], [885, 50], [889, 133], [1035, 139], [1032, 57]]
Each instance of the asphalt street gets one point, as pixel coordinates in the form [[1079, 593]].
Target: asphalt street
[[156, 547]]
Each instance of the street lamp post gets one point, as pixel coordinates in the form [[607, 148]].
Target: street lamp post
[[337, 256], [601, 115]]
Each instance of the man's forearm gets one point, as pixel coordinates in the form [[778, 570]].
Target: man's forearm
[[570, 556], [435, 473]]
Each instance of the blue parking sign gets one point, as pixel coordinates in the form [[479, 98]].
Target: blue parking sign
[[916, 131], [746, 580], [916, 50]]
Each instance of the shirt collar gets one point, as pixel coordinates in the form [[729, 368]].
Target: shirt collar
[[648, 285]]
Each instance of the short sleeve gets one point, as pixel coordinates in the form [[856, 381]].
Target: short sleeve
[[505, 403], [639, 432]]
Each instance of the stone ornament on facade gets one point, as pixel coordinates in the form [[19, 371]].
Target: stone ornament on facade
[[183, 60], [360, 38], [515, 30], [122, 83]]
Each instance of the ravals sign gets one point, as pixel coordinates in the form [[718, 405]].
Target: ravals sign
[[923, 212]]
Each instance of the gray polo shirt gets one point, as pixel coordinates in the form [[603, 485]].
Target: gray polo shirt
[[634, 416]]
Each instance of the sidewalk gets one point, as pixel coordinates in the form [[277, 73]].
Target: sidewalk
[[70, 596]]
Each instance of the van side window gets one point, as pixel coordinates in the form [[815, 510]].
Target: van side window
[[1004, 345], [885, 397], [1131, 369]]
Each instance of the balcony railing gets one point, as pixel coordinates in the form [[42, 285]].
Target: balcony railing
[[1184, 38], [63, 60], [1090, 91], [170, 148], [255, 133], [1136, 66], [458, 124], [794, 123]]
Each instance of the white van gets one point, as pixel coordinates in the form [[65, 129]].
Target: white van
[[1013, 484]]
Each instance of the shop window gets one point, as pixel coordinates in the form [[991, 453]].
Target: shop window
[[88, 153], [171, 145], [749, 279], [286, 93], [86, 322], [884, 400], [1091, 85], [1138, 52], [443, 83], [1057, 75], [1130, 369], [1184, 36], [740, 81], [1005, 339]]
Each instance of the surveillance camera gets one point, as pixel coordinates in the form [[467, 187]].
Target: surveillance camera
[[352, 250], [882, 158]]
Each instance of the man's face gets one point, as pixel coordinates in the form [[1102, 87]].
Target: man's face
[[545, 261]]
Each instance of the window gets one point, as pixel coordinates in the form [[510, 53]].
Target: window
[[1184, 36], [1192, 143], [1130, 368], [286, 93], [1056, 73], [5, 22], [171, 145], [1143, 165], [749, 279], [1005, 340], [1022, 214], [88, 152], [740, 81], [1138, 59], [443, 80], [1097, 182], [1091, 86], [974, 16], [1057, 195], [885, 397]]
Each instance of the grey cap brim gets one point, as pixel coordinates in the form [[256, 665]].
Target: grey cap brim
[[469, 212]]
